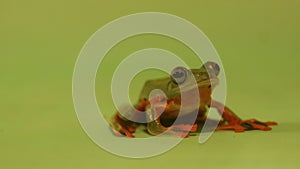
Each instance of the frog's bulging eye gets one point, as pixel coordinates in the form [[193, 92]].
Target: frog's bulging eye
[[212, 68], [179, 75]]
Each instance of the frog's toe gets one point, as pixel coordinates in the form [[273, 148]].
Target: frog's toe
[[119, 130], [185, 127], [251, 124], [254, 124], [179, 133], [271, 123], [268, 123], [236, 128]]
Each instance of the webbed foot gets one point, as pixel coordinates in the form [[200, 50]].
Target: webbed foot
[[243, 125], [120, 128]]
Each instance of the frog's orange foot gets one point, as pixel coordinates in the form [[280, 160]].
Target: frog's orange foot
[[177, 133], [120, 129], [185, 127], [183, 130], [252, 124]]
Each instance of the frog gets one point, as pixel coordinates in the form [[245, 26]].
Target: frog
[[161, 117]]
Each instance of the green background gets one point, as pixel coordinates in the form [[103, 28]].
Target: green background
[[258, 42]]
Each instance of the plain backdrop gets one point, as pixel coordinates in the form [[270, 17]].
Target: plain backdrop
[[258, 42]]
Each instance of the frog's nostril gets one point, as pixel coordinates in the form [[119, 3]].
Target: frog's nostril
[[204, 76]]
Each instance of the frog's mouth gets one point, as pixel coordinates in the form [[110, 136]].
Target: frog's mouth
[[200, 84]]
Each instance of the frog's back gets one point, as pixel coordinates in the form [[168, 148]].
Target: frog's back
[[150, 85]]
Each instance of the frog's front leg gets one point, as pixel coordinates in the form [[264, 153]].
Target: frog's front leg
[[155, 127], [237, 124]]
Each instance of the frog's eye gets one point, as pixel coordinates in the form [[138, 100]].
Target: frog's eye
[[179, 75], [212, 67]]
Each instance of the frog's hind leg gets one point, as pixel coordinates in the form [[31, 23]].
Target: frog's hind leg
[[237, 124]]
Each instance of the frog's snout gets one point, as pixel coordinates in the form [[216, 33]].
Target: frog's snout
[[212, 68]]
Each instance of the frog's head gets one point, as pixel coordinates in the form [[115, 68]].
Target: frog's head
[[207, 75]]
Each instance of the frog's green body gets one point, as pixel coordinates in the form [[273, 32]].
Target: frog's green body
[[181, 82]]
